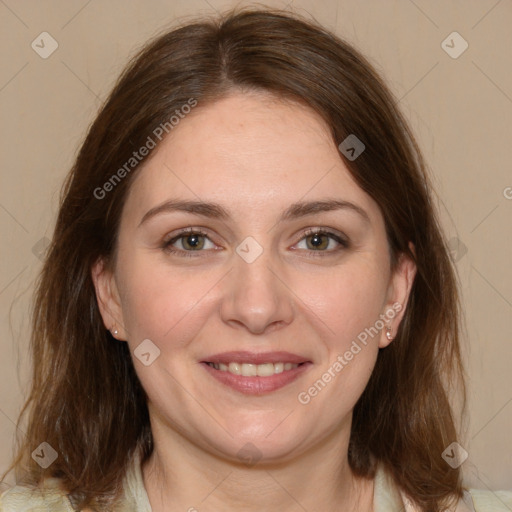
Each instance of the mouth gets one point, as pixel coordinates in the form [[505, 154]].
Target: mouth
[[254, 370], [253, 373]]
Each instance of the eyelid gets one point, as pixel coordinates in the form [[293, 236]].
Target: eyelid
[[340, 238], [325, 231], [170, 239]]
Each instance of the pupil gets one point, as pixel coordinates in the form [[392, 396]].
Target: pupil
[[316, 240], [193, 241]]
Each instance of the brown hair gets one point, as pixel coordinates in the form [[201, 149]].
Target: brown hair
[[86, 400]]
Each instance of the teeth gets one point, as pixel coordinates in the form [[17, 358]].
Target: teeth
[[265, 370], [253, 370], [235, 368], [249, 370]]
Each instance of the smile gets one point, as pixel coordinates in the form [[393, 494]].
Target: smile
[[253, 370], [255, 373]]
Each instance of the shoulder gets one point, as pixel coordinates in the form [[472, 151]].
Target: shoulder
[[31, 499], [475, 500], [491, 501], [388, 497]]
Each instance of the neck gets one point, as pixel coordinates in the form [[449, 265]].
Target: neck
[[180, 476]]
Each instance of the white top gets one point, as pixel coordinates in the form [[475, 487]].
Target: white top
[[387, 498]]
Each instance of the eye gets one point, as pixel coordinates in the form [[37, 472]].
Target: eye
[[194, 240], [187, 241], [322, 241]]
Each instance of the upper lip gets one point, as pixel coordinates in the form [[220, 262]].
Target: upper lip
[[255, 358]]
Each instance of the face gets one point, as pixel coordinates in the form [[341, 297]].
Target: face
[[252, 280]]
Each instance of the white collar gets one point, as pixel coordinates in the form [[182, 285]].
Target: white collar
[[386, 497]]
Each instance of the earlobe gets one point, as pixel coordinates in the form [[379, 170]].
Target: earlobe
[[108, 300], [398, 296]]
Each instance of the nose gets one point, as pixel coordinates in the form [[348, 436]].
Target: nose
[[256, 296]]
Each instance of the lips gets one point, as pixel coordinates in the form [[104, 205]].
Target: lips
[[256, 358], [256, 373]]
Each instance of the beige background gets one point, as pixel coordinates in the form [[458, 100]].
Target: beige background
[[461, 110]]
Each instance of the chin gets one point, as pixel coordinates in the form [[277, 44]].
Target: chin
[[263, 443]]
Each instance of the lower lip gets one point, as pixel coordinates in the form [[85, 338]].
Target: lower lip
[[257, 385]]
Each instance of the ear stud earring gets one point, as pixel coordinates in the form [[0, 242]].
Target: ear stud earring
[[389, 336], [114, 332]]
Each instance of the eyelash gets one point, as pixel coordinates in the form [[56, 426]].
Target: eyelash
[[167, 244]]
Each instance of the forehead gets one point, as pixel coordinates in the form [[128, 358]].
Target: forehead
[[252, 152]]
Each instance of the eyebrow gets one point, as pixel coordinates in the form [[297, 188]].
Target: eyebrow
[[217, 211]]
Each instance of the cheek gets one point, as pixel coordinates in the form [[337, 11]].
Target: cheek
[[161, 303], [348, 300], [349, 303]]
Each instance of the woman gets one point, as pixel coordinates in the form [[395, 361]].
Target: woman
[[248, 301]]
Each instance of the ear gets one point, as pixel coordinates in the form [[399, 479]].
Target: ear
[[399, 289], [108, 299]]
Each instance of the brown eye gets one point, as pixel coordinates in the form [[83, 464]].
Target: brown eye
[[317, 241], [187, 242], [193, 241], [321, 241]]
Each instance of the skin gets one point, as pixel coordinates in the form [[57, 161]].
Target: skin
[[255, 155]]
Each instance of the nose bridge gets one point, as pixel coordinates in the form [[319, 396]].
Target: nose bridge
[[257, 298]]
